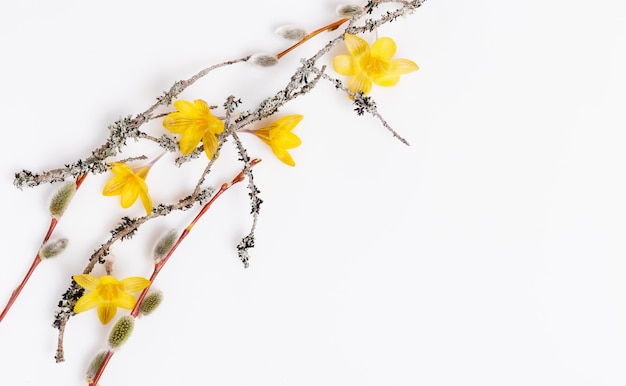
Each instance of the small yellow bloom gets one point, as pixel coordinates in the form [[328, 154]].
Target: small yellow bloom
[[366, 65], [129, 183], [196, 123], [108, 293], [280, 138]]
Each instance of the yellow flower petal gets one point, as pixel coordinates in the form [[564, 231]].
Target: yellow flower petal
[[284, 156], [106, 312], [289, 122], [403, 66], [146, 201], [286, 140], [201, 108], [87, 302], [386, 80], [190, 139], [216, 126], [186, 107], [134, 283], [126, 301], [209, 142], [114, 186], [129, 194], [177, 123], [108, 280], [345, 65], [264, 135], [356, 45], [88, 282], [383, 48], [142, 173], [360, 82], [121, 168]]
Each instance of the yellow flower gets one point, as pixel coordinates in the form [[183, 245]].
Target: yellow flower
[[129, 183], [196, 123], [366, 65], [280, 138], [108, 293]]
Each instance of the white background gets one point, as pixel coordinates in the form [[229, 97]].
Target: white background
[[489, 252]]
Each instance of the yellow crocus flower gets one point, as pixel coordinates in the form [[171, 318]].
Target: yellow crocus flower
[[367, 64], [107, 293], [129, 183], [279, 137], [196, 123]]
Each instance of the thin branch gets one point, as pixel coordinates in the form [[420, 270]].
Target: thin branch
[[364, 103], [303, 80], [120, 131], [125, 229], [160, 264]]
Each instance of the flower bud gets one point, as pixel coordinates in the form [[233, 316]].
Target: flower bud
[[349, 10], [263, 60], [95, 365], [121, 331], [61, 198], [52, 248], [163, 246], [151, 302], [291, 32]]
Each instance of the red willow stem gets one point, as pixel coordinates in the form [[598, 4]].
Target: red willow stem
[[330, 27], [157, 266], [80, 179], [19, 288], [16, 292], [53, 223]]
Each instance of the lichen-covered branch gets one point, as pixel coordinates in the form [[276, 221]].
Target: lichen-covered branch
[[303, 80]]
